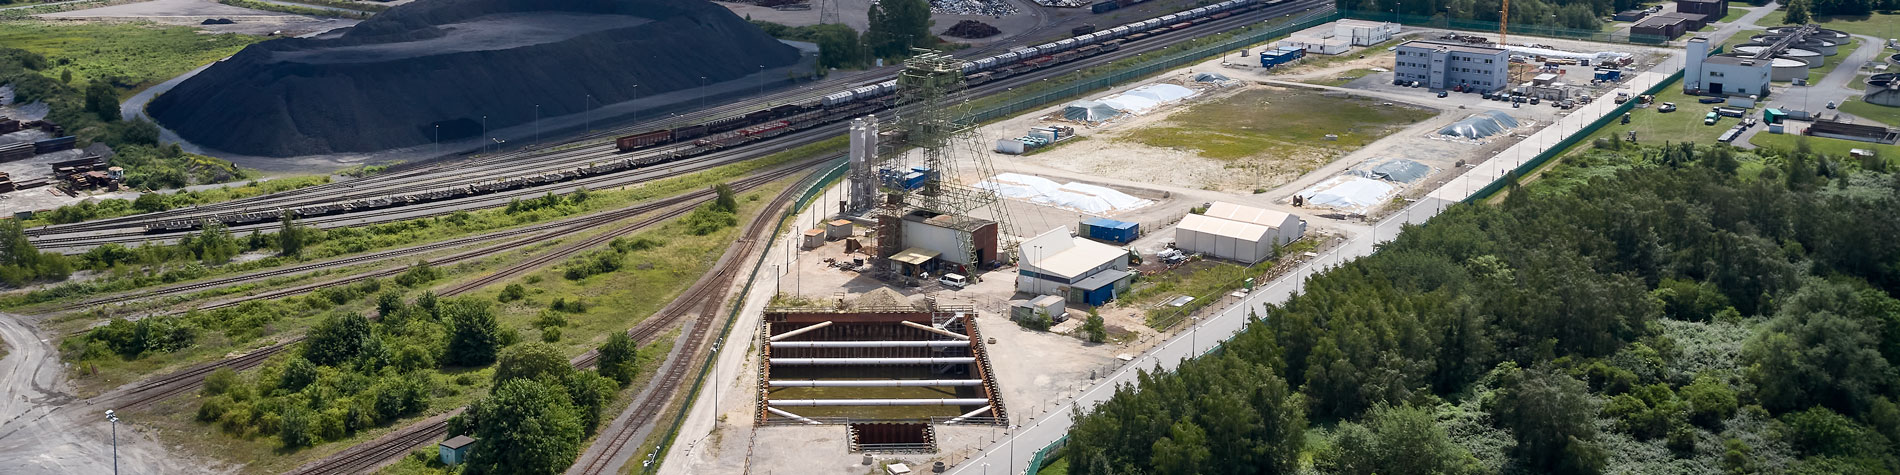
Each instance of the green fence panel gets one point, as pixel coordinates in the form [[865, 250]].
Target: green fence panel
[[1035, 463]]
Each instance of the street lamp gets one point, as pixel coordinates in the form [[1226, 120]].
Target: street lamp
[[587, 107], [537, 124], [438, 139], [484, 127], [114, 417]]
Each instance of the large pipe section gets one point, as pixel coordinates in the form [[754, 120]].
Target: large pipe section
[[878, 402], [869, 344], [935, 330], [969, 415], [797, 332], [795, 417], [872, 383], [861, 361]]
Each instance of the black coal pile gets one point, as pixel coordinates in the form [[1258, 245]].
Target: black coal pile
[[217, 21], [971, 29], [398, 78]]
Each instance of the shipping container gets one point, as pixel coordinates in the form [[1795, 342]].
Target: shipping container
[[1104, 229], [55, 144], [1086, 28], [1105, 7]]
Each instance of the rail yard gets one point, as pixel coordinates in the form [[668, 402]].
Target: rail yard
[[627, 157]]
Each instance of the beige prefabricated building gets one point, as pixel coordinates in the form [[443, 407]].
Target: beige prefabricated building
[[1239, 233]]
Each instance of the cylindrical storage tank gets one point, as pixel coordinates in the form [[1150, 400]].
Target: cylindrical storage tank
[[1788, 70], [1881, 90], [1895, 59], [1814, 59]]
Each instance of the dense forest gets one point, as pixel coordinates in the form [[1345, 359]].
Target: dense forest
[[1666, 309]]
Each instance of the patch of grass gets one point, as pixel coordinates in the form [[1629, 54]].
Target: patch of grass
[[1870, 111], [1278, 124], [1342, 78], [1205, 280], [1652, 127], [1059, 466], [138, 54], [1823, 145], [1737, 14], [1875, 25]]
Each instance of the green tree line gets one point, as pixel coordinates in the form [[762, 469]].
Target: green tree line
[[1642, 310], [896, 26]]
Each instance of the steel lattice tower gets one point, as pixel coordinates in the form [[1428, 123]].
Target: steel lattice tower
[[942, 129]]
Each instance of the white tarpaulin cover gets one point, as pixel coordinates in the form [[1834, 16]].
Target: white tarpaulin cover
[[1089, 111], [1480, 125], [1076, 196], [1142, 99], [1349, 193]]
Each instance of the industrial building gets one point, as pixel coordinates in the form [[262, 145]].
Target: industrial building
[[884, 367], [936, 244], [1709, 10], [1339, 36], [1726, 75], [1240, 233], [1074, 268], [1441, 65], [1664, 27]]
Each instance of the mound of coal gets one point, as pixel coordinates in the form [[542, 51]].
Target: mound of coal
[[399, 77], [971, 29]]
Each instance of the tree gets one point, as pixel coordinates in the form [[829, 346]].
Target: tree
[[838, 46], [213, 244], [1797, 13], [1823, 347], [290, 236], [338, 338], [1553, 418], [591, 393], [525, 427], [1398, 440], [295, 428], [474, 336], [102, 99], [298, 372], [724, 200], [531, 361], [1095, 328], [896, 26], [619, 358]]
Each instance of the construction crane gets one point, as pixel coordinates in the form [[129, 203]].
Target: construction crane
[[1504, 22]]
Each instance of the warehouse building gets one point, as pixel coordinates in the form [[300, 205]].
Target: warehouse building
[[1659, 28], [1240, 233], [944, 243], [1441, 65], [1709, 10], [1724, 75], [1074, 268]]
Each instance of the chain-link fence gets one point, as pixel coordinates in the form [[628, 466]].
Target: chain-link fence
[[1491, 27]]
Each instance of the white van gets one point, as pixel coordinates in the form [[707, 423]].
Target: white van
[[956, 281]]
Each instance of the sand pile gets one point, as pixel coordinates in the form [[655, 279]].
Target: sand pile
[[391, 80]]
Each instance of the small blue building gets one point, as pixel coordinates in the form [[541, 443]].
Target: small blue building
[[1104, 229], [1280, 55], [455, 450]]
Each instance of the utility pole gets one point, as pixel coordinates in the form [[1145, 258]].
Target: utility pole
[[438, 139], [587, 106], [111, 416], [537, 124]]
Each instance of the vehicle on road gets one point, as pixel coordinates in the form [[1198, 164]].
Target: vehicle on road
[[1710, 119], [955, 281], [1830, 104]]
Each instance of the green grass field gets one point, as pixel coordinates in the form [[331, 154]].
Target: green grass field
[[1829, 63], [1876, 25], [1733, 14], [1683, 125], [1874, 112], [136, 54], [1822, 145], [1279, 125]]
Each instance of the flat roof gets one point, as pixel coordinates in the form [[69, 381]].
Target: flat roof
[[1735, 61], [1224, 227], [458, 442], [1247, 214], [1107, 277], [915, 256], [1108, 223], [1083, 256], [1428, 44], [1658, 21]]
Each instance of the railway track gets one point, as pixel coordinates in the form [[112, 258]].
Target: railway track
[[703, 299], [564, 158], [146, 393]]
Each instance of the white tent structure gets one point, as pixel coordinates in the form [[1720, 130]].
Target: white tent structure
[[1076, 196], [1089, 111], [1147, 98]]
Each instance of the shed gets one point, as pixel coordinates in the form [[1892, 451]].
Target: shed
[[1102, 287], [1234, 240], [1053, 305], [914, 261], [838, 229], [1285, 226], [455, 450], [814, 238], [1110, 230]]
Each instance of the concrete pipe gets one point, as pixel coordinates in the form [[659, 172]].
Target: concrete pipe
[[795, 417], [969, 414], [872, 383], [870, 344], [868, 361], [793, 333], [877, 402]]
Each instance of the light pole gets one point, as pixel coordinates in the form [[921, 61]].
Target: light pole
[[438, 139], [485, 129], [702, 92], [587, 106], [537, 124], [114, 417], [761, 79]]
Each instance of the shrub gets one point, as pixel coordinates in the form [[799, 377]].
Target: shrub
[[512, 293]]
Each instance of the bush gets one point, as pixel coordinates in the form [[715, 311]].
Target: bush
[[619, 358], [512, 293], [708, 219], [570, 306], [418, 274], [1038, 321]]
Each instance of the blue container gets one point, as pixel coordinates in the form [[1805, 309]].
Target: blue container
[[1110, 230]]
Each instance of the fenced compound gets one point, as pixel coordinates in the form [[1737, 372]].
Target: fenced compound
[[1491, 27]]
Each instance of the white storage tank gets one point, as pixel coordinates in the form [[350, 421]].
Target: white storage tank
[[1786, 69]]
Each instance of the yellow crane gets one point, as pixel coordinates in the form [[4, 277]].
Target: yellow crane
[[1504, 22]]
